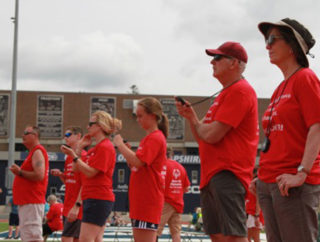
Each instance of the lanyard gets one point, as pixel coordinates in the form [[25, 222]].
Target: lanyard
[[215, 94], [277, 100]]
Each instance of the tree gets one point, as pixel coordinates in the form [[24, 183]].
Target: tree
[[134, 89]]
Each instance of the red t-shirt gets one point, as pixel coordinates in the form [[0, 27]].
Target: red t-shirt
[[72, 186], [251, 206], [31, 192], [175, 184], [297, 109], [236, 152], [251, 203], [54, 217], [146, 189], [103, 158]]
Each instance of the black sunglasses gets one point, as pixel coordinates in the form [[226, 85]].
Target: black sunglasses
[[219, 57], [92, 123], [28, 132], [67, 135], [272, 39]]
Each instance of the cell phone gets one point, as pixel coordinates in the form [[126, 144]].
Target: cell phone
[[180, 99], [68, 146]]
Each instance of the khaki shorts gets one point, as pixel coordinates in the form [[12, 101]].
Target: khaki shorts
[[169, 215], [30, 218]]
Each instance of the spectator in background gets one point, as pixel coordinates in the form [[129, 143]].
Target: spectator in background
[[194, 218], [116, 219], [146, 188], [176, 184], [13, 221], [72, 211], [53, 219], [97, 168], [30, 186], [46, 209]]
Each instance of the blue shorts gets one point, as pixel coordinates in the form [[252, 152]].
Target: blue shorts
[[138, 224], [96, 211], [13, 219]]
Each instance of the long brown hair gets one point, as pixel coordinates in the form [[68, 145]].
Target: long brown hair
[[151, 105], [288, 36]]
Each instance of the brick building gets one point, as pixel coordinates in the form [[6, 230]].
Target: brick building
[[53, 112]]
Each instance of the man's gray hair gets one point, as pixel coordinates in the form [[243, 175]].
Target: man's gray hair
[[242, 66], [52, 198]]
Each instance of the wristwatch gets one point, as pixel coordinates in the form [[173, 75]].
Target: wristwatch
[[302, 169], [78, 204], [75, 159]]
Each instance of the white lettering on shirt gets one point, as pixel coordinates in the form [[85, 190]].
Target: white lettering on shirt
[[277, 127]]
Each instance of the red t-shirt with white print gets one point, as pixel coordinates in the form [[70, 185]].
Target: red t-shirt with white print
[[176, 182], [236, 151], [296, 107]]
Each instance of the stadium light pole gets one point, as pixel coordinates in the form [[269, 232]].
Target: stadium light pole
[[13, 99]]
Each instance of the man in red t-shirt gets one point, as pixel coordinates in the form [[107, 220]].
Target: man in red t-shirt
[[30, 186], [72, 210], [53, 219], [176, 184], [228, 140]]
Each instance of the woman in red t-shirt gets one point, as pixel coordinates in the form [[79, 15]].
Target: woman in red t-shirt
[[97, 169], [289, 173], [146, 188]]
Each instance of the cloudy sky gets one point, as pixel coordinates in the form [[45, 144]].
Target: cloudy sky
[[108, 45]]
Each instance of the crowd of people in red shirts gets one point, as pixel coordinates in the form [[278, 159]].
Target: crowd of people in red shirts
[[287, 185]]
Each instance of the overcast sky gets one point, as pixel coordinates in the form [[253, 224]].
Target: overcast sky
[[159, 45]]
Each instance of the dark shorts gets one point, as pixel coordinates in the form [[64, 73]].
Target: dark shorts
[[223, 205], [46, 230], [13, 219], [96, 211], [71, 229], [138, 224]]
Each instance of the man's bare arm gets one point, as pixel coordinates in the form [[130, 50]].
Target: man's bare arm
[[38, 164]]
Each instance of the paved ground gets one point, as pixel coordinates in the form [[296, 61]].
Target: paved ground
[[124, 234]]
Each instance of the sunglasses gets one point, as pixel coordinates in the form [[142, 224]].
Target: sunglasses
[[92, 123], [28, 132], [67, 135], [219, 57], [272, 39]]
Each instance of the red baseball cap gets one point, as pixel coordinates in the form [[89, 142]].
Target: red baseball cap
[[232, 49]]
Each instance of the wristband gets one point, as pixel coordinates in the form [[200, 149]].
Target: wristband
[[78, 204], [256, 215], [75, 159]]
